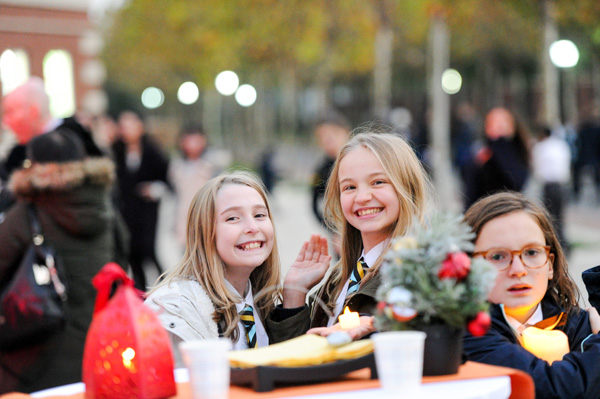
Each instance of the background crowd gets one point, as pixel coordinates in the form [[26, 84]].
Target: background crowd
[[112, 213]]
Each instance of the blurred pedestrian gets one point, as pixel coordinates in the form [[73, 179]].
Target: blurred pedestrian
[[551, 163], [26, 112], [187, 174], [587, 153], [70, 193], [332, 131], [462, 135], [268, 169], [142, 180], [503, 162]]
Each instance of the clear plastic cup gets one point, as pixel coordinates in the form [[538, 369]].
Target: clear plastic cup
[[208, 367], [399, 360]]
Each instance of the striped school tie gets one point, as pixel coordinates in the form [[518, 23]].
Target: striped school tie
[[357, 275], [247, 317]]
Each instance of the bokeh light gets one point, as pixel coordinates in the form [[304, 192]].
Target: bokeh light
[[451, 81], [564, 54], [227, 82], [245, 95], [152, 97], [188, 93]]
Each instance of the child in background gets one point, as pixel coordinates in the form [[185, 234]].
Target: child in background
[[332, 131], [188, 174], [533, 287], [228, 279], [377, 189]]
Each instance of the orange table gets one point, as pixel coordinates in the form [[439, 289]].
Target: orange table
[[521, 385]]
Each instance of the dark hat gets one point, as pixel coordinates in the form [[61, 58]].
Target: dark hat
[[55, 147]]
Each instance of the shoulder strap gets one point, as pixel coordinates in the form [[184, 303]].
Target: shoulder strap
[[45, 253], [34, 222]]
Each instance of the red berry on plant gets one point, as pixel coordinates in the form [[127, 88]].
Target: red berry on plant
[[480, 324], [456, 265]]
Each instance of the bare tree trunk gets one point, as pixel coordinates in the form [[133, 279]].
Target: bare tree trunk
[[212, 116], [551, 75], [263, 125], [288, 109], [570, 98], [492, 84], [382, 87], [440, 106], [596, 80]]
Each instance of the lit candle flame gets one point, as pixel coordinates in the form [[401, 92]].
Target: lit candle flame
[[128, 355], [349, 320]]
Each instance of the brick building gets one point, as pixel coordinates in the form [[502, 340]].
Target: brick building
[[55, 40]]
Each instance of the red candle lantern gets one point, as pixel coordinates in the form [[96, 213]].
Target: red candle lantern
[[127, 351]]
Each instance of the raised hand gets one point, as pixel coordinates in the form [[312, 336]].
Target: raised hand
[[307, 271]]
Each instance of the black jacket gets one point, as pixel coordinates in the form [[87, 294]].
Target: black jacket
[[140, 215], [577, 376], [506, 169], [591, 279], [77, 219]]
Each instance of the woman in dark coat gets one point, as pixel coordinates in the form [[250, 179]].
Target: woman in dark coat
[[142, 176], [71, 196], [503, 162]]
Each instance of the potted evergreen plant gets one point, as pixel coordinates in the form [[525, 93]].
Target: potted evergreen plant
[[431, 284]]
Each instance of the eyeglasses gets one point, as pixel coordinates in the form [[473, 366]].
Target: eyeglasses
[[532, 257]]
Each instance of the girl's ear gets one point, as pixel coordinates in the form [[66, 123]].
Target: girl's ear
[[551, 271]]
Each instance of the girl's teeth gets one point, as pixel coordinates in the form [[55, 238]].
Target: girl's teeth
[[368, 212], [252, 245]]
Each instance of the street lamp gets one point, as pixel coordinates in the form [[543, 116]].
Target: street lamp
[[245, 95], [188, 93], [565, 55], [152, 97], [227, 82], [451, 81]]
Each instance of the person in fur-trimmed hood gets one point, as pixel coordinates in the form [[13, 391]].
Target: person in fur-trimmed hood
[[71, 193]]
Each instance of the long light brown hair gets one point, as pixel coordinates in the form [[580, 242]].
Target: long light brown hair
[[562, 289], [410, 182], [201, 261]]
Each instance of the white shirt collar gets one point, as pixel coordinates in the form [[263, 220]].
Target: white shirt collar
[[261, 334], [517, 326], [371, 257]]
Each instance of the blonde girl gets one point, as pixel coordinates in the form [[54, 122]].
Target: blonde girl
[[231, 261], [376, 191]]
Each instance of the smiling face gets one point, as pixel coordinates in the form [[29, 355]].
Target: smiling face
[[368, 198], [519, 288], [244, 231]]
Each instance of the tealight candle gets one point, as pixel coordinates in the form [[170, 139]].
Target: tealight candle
[[549, 345], [349, 320]]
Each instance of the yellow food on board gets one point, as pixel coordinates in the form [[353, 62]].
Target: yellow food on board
[[306, 350]]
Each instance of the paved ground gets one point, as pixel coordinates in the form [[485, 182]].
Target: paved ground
[[294, 222]]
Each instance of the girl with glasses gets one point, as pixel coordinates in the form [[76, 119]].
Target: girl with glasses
[[532, 288]]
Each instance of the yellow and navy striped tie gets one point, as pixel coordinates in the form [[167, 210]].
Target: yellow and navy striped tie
[[247, 317], [357, 275]]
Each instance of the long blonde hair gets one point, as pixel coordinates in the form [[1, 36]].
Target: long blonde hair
[[410, 181], [201, 261]]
